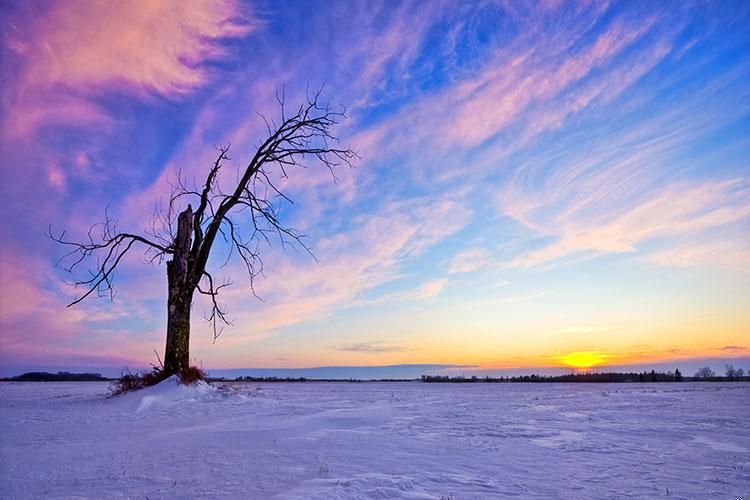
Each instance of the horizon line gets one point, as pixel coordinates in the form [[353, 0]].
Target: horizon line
[[401, 371]]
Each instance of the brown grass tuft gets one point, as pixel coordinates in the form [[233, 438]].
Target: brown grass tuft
[[130, 381], [191, 375]]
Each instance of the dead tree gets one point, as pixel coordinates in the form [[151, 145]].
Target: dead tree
[[244, 216]]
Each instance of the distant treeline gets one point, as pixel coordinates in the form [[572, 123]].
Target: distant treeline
[[652, 376], [57, 377], [303, 379], [264, 379], [704, 374]]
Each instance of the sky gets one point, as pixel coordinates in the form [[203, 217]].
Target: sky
[[541, 185]]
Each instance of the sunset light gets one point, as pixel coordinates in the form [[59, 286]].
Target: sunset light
[[583, 359], [521, 226]]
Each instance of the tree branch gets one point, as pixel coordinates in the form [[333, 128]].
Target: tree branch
[[108, 250]]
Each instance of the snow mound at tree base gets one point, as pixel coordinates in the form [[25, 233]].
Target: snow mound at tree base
[[167, 392]]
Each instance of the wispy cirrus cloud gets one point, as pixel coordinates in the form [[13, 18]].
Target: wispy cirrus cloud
[[735, 349], [724, 253], [675, 210], [33, 316], [576, 330], [373, 254], [590, 206], [374, 347], [532, 90], [536, 81], [468, 260], [427, 291]]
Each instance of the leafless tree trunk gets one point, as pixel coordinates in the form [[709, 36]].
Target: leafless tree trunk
[[179, 298], [253, 199]]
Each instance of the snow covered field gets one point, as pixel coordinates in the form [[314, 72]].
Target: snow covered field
[[376, 440]]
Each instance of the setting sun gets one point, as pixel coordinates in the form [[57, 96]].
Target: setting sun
[[583, 359]]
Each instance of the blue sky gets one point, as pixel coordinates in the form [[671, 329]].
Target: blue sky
[[535, 178]]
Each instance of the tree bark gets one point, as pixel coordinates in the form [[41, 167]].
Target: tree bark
[[180, 298]]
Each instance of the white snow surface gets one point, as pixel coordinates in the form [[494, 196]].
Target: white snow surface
[[376, 441]]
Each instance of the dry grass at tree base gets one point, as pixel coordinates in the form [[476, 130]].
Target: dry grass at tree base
[[134, 381], [192, 375]]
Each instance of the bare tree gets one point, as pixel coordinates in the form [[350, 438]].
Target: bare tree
[[704, 373], [244, 216], [733, 373]]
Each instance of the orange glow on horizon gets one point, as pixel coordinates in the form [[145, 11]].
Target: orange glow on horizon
[[583, 359]]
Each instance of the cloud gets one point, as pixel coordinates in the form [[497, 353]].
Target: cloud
[[375, 58], [373, 347], [56, 177], [37, 327], [615, 193], [501, 96], [575, 330], [546, 68], [679, 209], [69, 54], [735, 349], [510, 299], [372, 254], [33, 317], [427, 290], [468, 260], [731, 254]]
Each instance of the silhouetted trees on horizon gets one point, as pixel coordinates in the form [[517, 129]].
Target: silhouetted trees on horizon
[[704, 374], [57, 377], [733, 373]]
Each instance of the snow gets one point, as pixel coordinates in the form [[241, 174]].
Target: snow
[[167, 392], [376, 440]]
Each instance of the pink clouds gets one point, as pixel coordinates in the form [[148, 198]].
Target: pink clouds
[[377, 53], [369, 256], [20, 294], [732, 254], [30, 314], [36, 327], [56, 177], [468, 260], [674, 211], [427, 290], [516, 88], [76, 49], [154, 46]]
